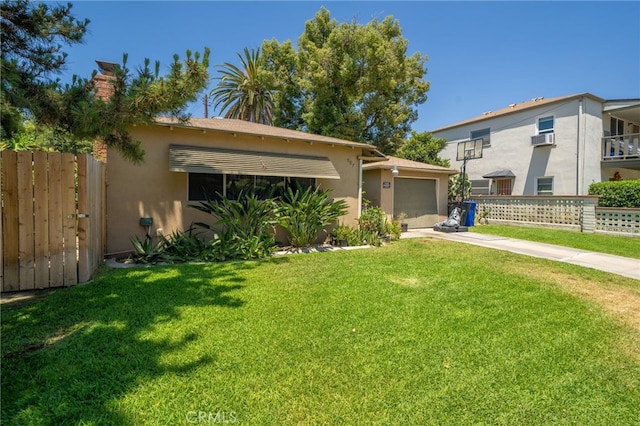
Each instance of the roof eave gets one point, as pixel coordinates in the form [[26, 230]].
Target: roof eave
[[340, 142], [482, 118]]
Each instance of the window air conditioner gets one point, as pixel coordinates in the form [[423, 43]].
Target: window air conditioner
[[542, 140]]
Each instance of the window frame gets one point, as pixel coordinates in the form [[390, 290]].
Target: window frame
[[480, 186], [551, 183], [287, 181], [191, 191], [484, 134], [616, 126], [502, 181], [546, 131]]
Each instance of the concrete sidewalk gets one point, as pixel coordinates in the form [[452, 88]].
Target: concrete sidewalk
[[624, 266]]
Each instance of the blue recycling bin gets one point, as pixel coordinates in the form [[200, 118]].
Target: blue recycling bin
[[470, 208]]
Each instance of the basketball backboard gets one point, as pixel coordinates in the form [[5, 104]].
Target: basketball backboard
[[469, 150]]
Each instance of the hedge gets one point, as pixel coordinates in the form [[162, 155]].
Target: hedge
[[623, 193]]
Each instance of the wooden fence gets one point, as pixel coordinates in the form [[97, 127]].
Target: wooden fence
[[52, 208]]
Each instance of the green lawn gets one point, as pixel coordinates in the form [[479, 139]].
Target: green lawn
[[421, 332], [610, 244]]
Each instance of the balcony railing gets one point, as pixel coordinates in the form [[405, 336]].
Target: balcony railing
[[621, 147]]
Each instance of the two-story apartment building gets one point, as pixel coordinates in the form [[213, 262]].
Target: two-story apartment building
[[555, 146]]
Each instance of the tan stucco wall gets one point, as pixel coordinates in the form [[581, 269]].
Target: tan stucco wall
[[373, 185], [151, 190]]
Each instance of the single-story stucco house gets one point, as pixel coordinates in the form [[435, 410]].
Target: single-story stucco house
[[184, 161]]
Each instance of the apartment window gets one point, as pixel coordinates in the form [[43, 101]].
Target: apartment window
[[544, 186], [545, 125], [484, 134], [211, 186], [503, 186], [616, 127], [480, 187]]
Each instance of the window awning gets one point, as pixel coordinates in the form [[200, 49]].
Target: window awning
[[197, 159], [499, 174]]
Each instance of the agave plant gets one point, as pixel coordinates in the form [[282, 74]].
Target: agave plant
[[146, 251]]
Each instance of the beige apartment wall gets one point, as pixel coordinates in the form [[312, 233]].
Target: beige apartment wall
[[151, 190]]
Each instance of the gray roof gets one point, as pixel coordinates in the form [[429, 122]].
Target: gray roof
[[403, 164], [499, 174], [228, 125]]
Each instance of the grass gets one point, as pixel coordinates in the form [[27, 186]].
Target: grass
[[610, 244], [423, 332]]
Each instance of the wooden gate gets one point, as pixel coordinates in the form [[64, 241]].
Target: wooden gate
[[52, 208]]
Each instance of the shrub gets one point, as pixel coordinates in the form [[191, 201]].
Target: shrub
[[186, 246], [374, 225], [244, 229], [305, 213], [373, 218], [394, 230], [372, 228], [342, 233], [455, 187], [624, 193]]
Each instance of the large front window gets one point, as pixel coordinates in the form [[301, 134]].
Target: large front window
[[204, 186]]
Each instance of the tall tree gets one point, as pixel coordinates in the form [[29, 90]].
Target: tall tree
[[423, 147], [33, 37], [244, 93], [348, 80]]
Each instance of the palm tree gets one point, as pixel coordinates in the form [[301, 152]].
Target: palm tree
[[244, 93]]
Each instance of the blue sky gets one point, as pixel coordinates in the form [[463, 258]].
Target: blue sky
[[483, 56]]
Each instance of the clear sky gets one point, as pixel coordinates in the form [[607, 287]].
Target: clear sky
[[483, 56]]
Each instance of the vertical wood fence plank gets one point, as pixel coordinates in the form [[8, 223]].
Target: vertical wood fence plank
[[10, 281], [84, 232], [94, 222], [56, 246], [1, 232], [25, 221], [97, 212], [103, 208], [41, 219], [69, 219]]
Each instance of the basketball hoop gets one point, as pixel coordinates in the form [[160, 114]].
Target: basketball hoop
[[468, 150]]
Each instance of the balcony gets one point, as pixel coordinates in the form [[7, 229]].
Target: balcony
[[621, 151]]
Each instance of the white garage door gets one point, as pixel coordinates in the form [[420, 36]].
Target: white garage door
[[418, 200]]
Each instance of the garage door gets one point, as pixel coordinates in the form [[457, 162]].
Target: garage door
[[418, 200]]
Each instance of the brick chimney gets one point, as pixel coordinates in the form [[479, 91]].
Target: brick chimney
[[104, 89]]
